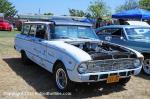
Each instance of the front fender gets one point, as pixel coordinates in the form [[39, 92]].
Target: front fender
[[68, 54]]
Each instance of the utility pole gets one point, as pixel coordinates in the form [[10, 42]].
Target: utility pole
[[39, 11]]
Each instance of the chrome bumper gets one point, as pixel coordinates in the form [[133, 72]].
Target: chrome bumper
[[102, 76]]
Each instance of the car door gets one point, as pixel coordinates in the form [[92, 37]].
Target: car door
[[40, 45], [31, 45]]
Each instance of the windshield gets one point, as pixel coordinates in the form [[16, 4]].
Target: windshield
[[68, 32], [138, 33]]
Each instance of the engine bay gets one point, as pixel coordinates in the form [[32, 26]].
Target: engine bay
[[103, 50]]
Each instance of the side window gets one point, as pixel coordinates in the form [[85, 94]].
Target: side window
[[41, 32], [116, 32], [26, 29], [32, 30], [104, 32], [111, 31]]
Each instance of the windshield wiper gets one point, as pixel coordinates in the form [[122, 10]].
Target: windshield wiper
[[65, 37], [84, 37]]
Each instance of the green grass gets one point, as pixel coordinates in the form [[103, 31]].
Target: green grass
[[7, 43], [8, 34]]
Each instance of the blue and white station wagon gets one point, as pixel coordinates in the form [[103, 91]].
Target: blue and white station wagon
[[135, 37], [73, 53]]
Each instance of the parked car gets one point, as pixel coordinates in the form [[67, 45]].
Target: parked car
[[19, 23], [136, 37], [4, 25], [73, 53]]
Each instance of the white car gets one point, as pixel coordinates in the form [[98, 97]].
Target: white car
[[73, 53]]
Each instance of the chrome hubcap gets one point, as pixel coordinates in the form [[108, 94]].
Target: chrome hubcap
[[61, 78], [146, 66]]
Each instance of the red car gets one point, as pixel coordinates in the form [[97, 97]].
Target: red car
[[4, 25]]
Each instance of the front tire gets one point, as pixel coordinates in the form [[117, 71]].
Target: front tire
[[24, 58], [62, 80], [146, 66]]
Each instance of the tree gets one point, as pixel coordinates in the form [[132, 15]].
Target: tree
[[78, 13], [98, 9], [145, 4], [128, 5], [49, 13], [7, 8]]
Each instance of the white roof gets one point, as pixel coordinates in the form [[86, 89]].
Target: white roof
[[37, 22], [141, 23], [59, 22]]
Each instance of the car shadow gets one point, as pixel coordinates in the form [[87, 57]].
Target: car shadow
[[42, 81]]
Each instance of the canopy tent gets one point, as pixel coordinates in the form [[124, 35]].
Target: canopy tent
[[133, 14]]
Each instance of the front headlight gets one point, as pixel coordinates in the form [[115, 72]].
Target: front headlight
[[82, 68], [137, 63]]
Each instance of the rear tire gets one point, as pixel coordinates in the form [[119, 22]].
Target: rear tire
[[62, 81]]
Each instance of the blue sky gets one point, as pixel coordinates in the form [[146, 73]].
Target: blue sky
[[58, 7]]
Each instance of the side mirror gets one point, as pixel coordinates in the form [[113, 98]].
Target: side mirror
[[122, 38]]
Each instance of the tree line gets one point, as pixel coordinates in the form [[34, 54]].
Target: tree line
[[96, 8], [99, 9]]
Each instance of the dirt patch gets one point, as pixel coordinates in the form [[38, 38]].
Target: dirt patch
[[17, 77]]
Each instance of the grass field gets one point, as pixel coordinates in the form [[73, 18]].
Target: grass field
[[17, 78], [7, 43]]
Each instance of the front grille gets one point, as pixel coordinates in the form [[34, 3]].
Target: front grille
[[110, 65], [117, 55]]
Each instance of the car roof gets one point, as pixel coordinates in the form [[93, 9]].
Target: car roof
[[124, 26], [37, 22], [60, 22], [70, 22]]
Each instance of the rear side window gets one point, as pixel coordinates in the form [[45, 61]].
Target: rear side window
[[26, 29], [32, 30]]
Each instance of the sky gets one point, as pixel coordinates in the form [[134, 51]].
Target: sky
[[57, 7]]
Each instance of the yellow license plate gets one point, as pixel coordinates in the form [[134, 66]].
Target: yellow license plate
[[113, 79]]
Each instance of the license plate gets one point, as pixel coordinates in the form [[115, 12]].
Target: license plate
[[113, 79]]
